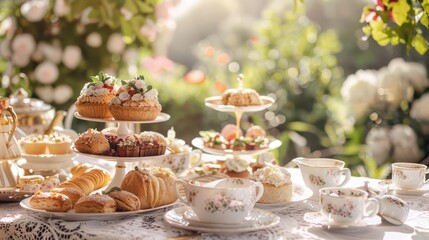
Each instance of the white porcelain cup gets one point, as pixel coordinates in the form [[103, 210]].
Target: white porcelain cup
[[221, 201], [346, 205], [319, 173], [394, 209], [409, 176], [178, 163]]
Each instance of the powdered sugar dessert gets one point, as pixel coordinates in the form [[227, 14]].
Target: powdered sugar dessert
[[95, 96], [277, 184], [237, 167], [135, 101]]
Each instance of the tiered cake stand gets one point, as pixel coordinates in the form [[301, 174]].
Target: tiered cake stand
[[121, 132], [216, 104]]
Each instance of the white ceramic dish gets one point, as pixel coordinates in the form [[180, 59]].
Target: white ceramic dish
[[44, 166], [216, 104], [263, 220], [391, 188], [318, 219], [49, 158], [299, 193], [190, 216], [199, 143], [162, 117], [72, 216]]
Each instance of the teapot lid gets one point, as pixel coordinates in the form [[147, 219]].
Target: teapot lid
[[22, 104]]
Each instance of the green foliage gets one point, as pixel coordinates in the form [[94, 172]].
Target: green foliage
[[398, 22]]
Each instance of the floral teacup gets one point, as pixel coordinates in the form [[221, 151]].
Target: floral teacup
[[393, 209], [318, 173], [178, 163], [410, 176], [346, 205], [222, 201]]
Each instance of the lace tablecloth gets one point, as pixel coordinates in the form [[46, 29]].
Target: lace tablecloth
[[17, 223]]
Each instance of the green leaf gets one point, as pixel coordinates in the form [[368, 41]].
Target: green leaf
[[144, 7], [149, 87], [424, 20], [420, 44]]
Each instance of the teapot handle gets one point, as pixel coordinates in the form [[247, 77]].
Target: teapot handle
[[14, 119]]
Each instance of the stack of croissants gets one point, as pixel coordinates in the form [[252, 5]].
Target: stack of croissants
[[140, 189]]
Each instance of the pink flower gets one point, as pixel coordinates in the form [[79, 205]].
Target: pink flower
[[149, 30], [158, 64]]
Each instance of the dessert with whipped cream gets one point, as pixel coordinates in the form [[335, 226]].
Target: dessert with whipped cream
[[58, 144], [236, 168], [135, 101], [35, 144], [95, 96], [262, 160], [277, 184], [176, 145]]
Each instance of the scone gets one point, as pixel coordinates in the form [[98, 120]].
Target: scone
[[241, 97], [125, 201], [277, 184], [95, 96], [51, 201], [34, 144], [95, 204], [58, 144], [73, 194], [92, 142], [153, 186], [135, 101], [236, 168]]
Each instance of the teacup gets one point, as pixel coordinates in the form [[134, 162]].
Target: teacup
[[318, 173], [346, 205], [178, 163], [409, 176], [222, 201], [393, 209]]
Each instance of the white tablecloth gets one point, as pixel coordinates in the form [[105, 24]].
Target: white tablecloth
[[17, 223]]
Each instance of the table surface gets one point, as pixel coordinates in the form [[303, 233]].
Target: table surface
[[17, 223]]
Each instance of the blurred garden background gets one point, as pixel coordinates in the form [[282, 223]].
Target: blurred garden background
[[349, 77]]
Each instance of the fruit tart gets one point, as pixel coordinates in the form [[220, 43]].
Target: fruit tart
[[95, 96], [135, 101]]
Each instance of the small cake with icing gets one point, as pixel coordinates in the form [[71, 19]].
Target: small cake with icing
[[95, 96], [262, 160], [58, 144], [236, 168], [135, 101], [241, 97], [277, 184]]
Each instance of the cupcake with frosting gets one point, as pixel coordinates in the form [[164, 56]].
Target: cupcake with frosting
[[237, 168], [135, 101], [277, 184], [95, 96]]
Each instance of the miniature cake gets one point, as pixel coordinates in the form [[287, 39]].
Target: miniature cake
[[237, 168], [241, 97], [277, 184]]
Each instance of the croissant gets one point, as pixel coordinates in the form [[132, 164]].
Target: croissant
[[153, 186], [89, 181]]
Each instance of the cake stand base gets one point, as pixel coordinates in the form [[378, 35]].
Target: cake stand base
[[118, 176]]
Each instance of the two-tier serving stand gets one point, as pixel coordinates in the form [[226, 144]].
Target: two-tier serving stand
[[216, 104], [122, 132]]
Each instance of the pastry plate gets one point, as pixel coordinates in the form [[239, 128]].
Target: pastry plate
[[49, 158], [318, 219], [162, 117], [299, 193], [120, 159], [44, 166], [216, 104], [263, 220], [13, 194], [393, 189], [199, 143], [72, 216]]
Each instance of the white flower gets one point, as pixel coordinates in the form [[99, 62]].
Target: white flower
[[127, 13], [116, 101], [99, 85], [24, 44], [53, 53], [93, 40], [414, 73], [137, 97], [140, 84], [8, 27], [72, 56], [359, 91], [124, 96], [109, 81], [152, 94], [378, 144], [149, 30], [115, 43], [62, 94], [46, 72], [5, 48], [420, 108], [85, 16], [61, 8], [87, 92], [20, 60], [46, 93], [34, 10], [395, 87], [100, 91]]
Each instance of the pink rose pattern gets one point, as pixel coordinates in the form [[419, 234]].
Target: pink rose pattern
[[344, 211], [224, 203], [316, 180]]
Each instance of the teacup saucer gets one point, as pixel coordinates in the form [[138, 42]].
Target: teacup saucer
[[262, 220], [193, 219], [319, 219], [387, 183]]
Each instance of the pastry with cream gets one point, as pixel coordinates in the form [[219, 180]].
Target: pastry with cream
[[236, 168], [58, 144], [262, 160], [95, 96], [35, 145], [277, 184], [135, 101]]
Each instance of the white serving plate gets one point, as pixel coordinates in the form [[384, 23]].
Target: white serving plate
[[49, 158], [393, 189], [199, 143], [299, 193], [318, 219], [216, 104], [72, 216], [162, 117]]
